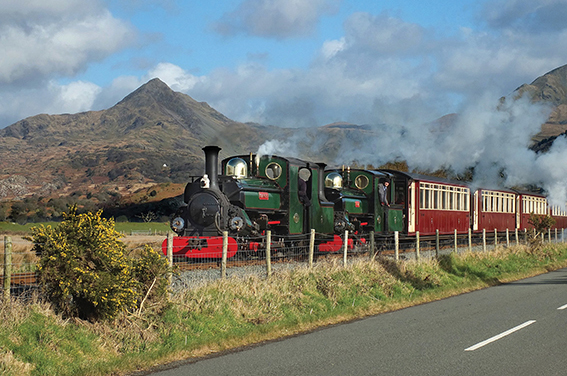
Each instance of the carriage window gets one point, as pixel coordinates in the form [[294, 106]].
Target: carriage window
[[445, 197], [273, 171], [361, 182], [536, 205]]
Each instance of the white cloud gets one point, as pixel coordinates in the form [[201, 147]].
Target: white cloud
[[275, 18], [532, 16], [174, 76], [55, 38], [75, 97]]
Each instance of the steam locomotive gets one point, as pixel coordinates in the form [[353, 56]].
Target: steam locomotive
[[288, 196]]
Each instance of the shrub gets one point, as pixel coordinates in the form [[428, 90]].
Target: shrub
[[83, 268], [151, 271], [541, 224]]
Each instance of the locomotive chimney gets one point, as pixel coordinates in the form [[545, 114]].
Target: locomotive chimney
[[321, 182], [211, 164]]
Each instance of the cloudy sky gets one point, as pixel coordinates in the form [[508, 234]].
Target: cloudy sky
[[395, 64], [281, 62]]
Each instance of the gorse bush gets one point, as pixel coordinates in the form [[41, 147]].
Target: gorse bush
[[85, 271]]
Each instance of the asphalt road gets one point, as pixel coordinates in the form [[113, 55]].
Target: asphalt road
[[514, 329]]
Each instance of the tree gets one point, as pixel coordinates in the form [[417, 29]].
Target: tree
[[149, 216]]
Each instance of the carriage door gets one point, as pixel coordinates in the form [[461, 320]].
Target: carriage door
[[411, 208], [475, 213]]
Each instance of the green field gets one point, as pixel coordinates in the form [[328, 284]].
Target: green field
[[127, 228]]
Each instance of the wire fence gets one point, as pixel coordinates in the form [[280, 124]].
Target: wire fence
[[225, 256]]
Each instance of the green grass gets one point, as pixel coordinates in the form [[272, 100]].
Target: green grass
[[230, 313], [126, 227]]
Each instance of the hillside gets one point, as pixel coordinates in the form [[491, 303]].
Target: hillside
[[156, 134], [552, 88], [152, 135]]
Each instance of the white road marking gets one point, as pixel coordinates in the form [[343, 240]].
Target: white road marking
[[563, 307], [501, 335]]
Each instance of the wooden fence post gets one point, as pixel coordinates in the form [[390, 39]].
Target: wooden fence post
[[397, 245], [7, 267], [495, 238], [517, 238], [224, 253], [311, 247], [470, 240], [526, 235], [372, 245], [507, 238], [170, 255], [456, 242], [437, 243], [269, 253], [417, 245], [345, 248], [484, 240]]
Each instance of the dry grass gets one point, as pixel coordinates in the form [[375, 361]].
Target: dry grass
[[9, 365], [235, 312]]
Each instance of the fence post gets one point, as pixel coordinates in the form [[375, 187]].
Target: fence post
[[484, 240], [456, 243], [397, 245], [345, 247], [556, 234], [372, 245], [495, 238], [549, 234], [7, 267], [417, 245], [269, 253], [507, 238], [224, 253], [311, 247], [437, 243], [470, 240], [526, 235], [170, 255], [517, 238]]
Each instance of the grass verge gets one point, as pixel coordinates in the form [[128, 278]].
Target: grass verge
[[9, 228], [231, 313]]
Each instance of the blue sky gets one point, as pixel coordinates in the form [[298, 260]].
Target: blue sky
[[281, 62]]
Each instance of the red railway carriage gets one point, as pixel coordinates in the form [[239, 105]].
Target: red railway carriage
[[494, 209], [560, 215], [530, 202], [433, 203]]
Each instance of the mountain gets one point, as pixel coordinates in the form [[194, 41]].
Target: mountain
[[154, 134], [551, 88]]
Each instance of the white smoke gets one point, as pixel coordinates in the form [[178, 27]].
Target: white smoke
[[273, 147], [491, 135], [493, 139]]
